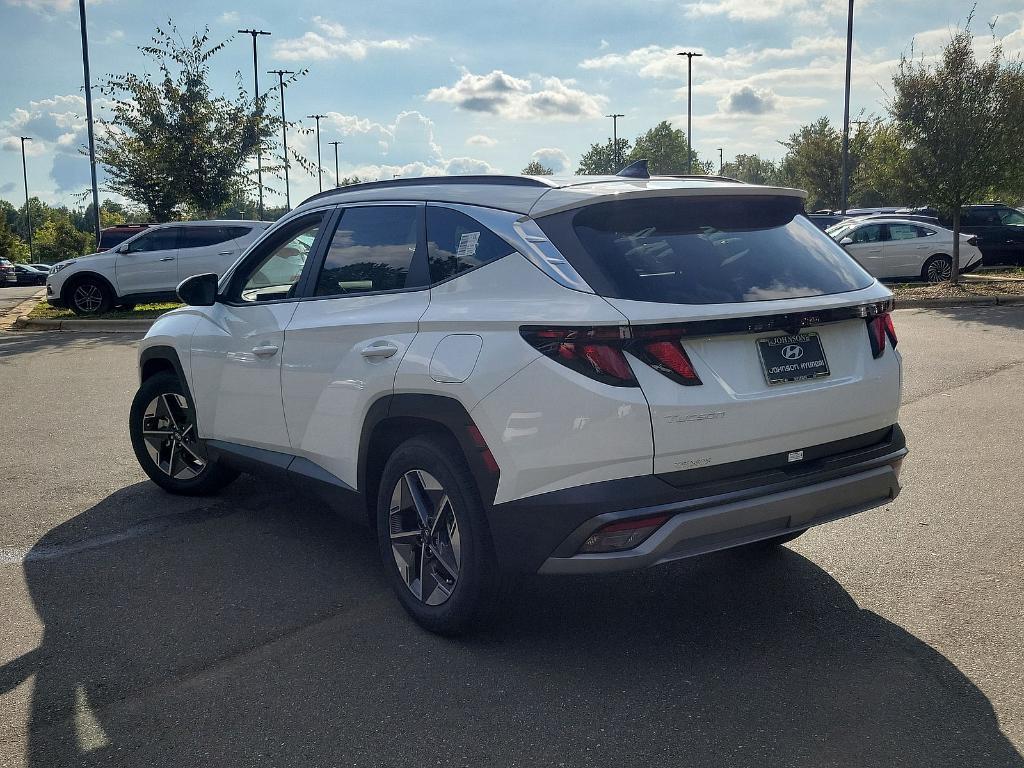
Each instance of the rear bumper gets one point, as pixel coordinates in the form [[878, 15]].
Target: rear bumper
[[544, 533]]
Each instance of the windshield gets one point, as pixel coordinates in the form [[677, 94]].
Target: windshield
[[703, 250], [1011, 217]]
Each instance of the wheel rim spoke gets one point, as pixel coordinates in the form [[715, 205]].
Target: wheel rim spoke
[[419, 497], [168, 434]]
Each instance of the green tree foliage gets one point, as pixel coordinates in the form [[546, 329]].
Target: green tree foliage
[[59, 239], [665, 149], [11, 246], [752, 169], [962, 120], [602, 159], [171, 143], [813, 162], [536, 168]]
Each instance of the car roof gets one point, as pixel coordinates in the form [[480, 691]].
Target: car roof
[[535, 195], [890, 220], [215, 222]]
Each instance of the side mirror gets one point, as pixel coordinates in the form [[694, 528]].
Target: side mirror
[[199, 290], [846, 241]]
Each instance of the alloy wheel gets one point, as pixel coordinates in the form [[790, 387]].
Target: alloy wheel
[[425, 537], [88, 297], [169, 434], [940, 270]]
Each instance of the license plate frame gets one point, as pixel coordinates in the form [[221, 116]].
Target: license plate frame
[[779, 368]]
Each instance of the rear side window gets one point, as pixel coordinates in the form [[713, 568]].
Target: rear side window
[[201, 237], [703, 250], [371, 250], [237, 231], [457, 242]]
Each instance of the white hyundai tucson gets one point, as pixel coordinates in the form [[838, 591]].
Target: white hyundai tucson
[[541, 375]]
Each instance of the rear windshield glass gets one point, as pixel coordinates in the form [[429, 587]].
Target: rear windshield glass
[[703, 250]]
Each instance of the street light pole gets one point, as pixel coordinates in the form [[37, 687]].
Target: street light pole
[[689, 105], [256, 108], [337, 176], [28, 209], [721, 162], [615, 140], [284, 133], [845, 183], [88, 118], [319, 166]]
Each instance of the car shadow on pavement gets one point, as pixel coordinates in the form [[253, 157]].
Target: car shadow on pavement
[[256, 628], [20, 342]]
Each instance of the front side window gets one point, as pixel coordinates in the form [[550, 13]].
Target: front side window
[[165, 239], [371, 250], [703, 250], [870, 233], [456, 243], [1010, 216], [275, 273]]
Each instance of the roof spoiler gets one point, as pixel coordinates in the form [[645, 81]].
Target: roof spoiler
[[637, 170]]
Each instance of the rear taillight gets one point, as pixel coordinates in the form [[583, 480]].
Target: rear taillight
[[661, 349], [626, 534], [596, 352], [879, 327]]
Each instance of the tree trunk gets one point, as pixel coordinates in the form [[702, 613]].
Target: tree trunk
[[954, 276]]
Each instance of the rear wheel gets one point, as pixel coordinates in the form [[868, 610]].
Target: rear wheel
[[937, 269], [162, 426], [433, 537], [89, 296]]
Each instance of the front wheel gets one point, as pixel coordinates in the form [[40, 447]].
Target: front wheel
[[938, 269], [162, 426], [433, 537], [89, 296]]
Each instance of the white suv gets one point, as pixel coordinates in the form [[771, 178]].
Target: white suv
[[148, 266], [519, 374]]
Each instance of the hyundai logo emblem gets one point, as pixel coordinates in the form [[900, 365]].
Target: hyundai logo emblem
[[792, 352]]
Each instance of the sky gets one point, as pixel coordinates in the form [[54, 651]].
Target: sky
[[415, 88]]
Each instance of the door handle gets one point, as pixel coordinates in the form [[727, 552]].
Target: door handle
[[267, 350], [225, 253], [167, 258], [379, 351]]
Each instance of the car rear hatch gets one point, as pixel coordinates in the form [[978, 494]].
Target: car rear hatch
[[751, 333]]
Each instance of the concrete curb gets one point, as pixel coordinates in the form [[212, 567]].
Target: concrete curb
[[938, 303], [95, 326]]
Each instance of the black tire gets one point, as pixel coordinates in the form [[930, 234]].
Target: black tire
[[89, 296], [937, 269], [477, 587], [770, 545], [126, 307], [190, 471]]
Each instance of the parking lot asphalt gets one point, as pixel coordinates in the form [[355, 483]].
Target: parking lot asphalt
[[12, 296], [255, 628]]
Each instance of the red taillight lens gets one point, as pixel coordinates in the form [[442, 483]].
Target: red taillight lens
[[595, 352], [880, 327], [669, 358], [626, 534]]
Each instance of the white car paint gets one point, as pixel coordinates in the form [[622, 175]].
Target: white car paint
[[891, 256]]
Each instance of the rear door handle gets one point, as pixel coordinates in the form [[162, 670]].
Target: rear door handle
[[225, 253], [267, 350], [381, 351], [167, 258]]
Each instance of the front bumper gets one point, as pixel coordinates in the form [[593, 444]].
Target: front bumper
[[544, 533]]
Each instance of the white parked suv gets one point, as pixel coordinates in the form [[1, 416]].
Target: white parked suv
[[519, 374], [148, 266]]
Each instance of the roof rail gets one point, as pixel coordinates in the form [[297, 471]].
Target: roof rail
[[427, 181], [700, 176]]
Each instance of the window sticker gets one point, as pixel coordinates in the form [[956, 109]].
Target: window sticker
[[467, 245]]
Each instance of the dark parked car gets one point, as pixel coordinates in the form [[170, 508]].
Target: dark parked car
[[826, 220], [112, 236], [998, 227], [27, 275]]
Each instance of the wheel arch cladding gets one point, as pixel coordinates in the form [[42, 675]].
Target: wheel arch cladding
[[75, 279], [393, 419], [164, 359]]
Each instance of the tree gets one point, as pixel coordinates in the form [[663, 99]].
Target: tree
[[603, 160], [171, 142], [962, 120], [11, 246], [752, 169], [883, 175], [664, 147], [58, 239], [536, 168], [813, 162]]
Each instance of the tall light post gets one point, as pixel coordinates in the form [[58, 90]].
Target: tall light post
[[845, 183], [88, 119], [256, 106], [721, 162], [337, 176], [689, 104], [319, 166], [284, 132], [28, 209], [615, 141]]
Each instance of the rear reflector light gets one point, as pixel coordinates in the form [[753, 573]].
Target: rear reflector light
[[626, 534], [481, 445], [596, 352], [879, 328]]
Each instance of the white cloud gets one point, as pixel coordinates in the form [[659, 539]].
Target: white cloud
[[58, 120], [552, 157], [333, 41], [45, 6], [749, 100], [479, 140], [498, 93], [230, 17], [753, 10], [13, 144]]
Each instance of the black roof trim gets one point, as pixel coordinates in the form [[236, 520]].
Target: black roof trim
[[430, 181], [697, 177]]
